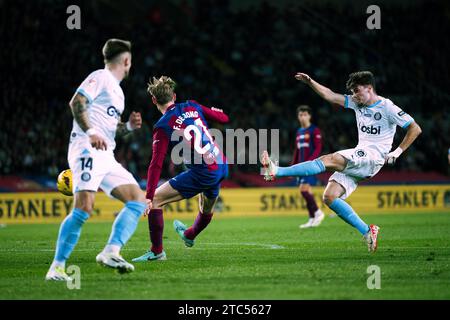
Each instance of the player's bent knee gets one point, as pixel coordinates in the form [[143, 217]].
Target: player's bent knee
[[334, 162], [137, 195], [84, 200], [157, 201], [329, 197], [85, 206]]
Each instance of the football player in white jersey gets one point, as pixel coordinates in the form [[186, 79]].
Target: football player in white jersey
[[96, 107], [377, 119]]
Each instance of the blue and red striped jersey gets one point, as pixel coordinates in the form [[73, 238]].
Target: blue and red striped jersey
[[308, 144], [188, 121]]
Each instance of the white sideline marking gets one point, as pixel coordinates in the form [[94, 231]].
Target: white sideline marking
[[252, 244]]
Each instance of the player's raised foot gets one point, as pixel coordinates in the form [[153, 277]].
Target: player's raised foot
[[180, 228], [318, 218], [114, 261], [307, 224], [372, 238], [150, 256], [269, 166], [57, 274]]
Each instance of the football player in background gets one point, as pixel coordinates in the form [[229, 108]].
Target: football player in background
[[182, 123], [96, 107], [308, 146], [377, 119]]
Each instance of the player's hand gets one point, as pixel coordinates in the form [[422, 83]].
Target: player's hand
[[98, 142], [393, 156], [148, 208], [303, 77], [135, 120]]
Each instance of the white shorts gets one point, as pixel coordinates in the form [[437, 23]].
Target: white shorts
[[92, 168], [363, 163]]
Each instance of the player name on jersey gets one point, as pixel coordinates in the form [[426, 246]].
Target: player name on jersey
[[180, 119]]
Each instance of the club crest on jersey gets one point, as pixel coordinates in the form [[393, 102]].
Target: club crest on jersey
[[113, 112], [360, 153], [377, 116], [86, 176]]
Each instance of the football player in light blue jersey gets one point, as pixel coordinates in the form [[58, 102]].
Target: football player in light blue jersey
[[377, 119], [96, 107]]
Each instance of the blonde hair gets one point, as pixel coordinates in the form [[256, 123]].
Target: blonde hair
[[162, 89]]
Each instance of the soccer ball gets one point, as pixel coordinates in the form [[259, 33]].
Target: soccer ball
[[64, 182]]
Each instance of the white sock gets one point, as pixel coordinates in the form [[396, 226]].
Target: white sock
[[112, 248]]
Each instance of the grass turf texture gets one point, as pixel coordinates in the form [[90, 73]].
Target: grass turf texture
[[242, 258]]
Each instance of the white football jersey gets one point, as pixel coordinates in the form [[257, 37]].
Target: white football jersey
[[106, 103], [377, 123]]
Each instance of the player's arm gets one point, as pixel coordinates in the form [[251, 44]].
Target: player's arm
[[412, 133], [321, 90], [159, 150], [134, 122], [78, 105], [213, 114]]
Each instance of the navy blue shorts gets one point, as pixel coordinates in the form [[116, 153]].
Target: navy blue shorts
[[192, 182], [311, 180]]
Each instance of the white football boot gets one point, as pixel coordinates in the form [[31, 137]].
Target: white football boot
[[318, 218], [269, 166], [57, 274], [307, 224], [371, 238], [115, 261]]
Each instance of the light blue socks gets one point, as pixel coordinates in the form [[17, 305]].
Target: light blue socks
[[126, 223], [69, 233], [307, 168], [346, 212]]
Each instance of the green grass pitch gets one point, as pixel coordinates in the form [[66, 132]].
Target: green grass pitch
[[243, 258]]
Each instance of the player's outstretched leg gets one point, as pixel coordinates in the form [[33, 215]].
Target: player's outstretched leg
[[123, 228], [204, 217], [331, 197], [307, 168], [69, 233]]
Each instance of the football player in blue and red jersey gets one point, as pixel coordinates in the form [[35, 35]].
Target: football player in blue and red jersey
[[308, 146], [182, 123]]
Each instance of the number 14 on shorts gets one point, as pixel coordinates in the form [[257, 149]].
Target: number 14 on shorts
[[86, 163]]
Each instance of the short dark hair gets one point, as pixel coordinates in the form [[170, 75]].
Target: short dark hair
[[362, 78], [115, 47], [304, 108]]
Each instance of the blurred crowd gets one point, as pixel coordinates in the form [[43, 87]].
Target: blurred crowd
[[241, 60]]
